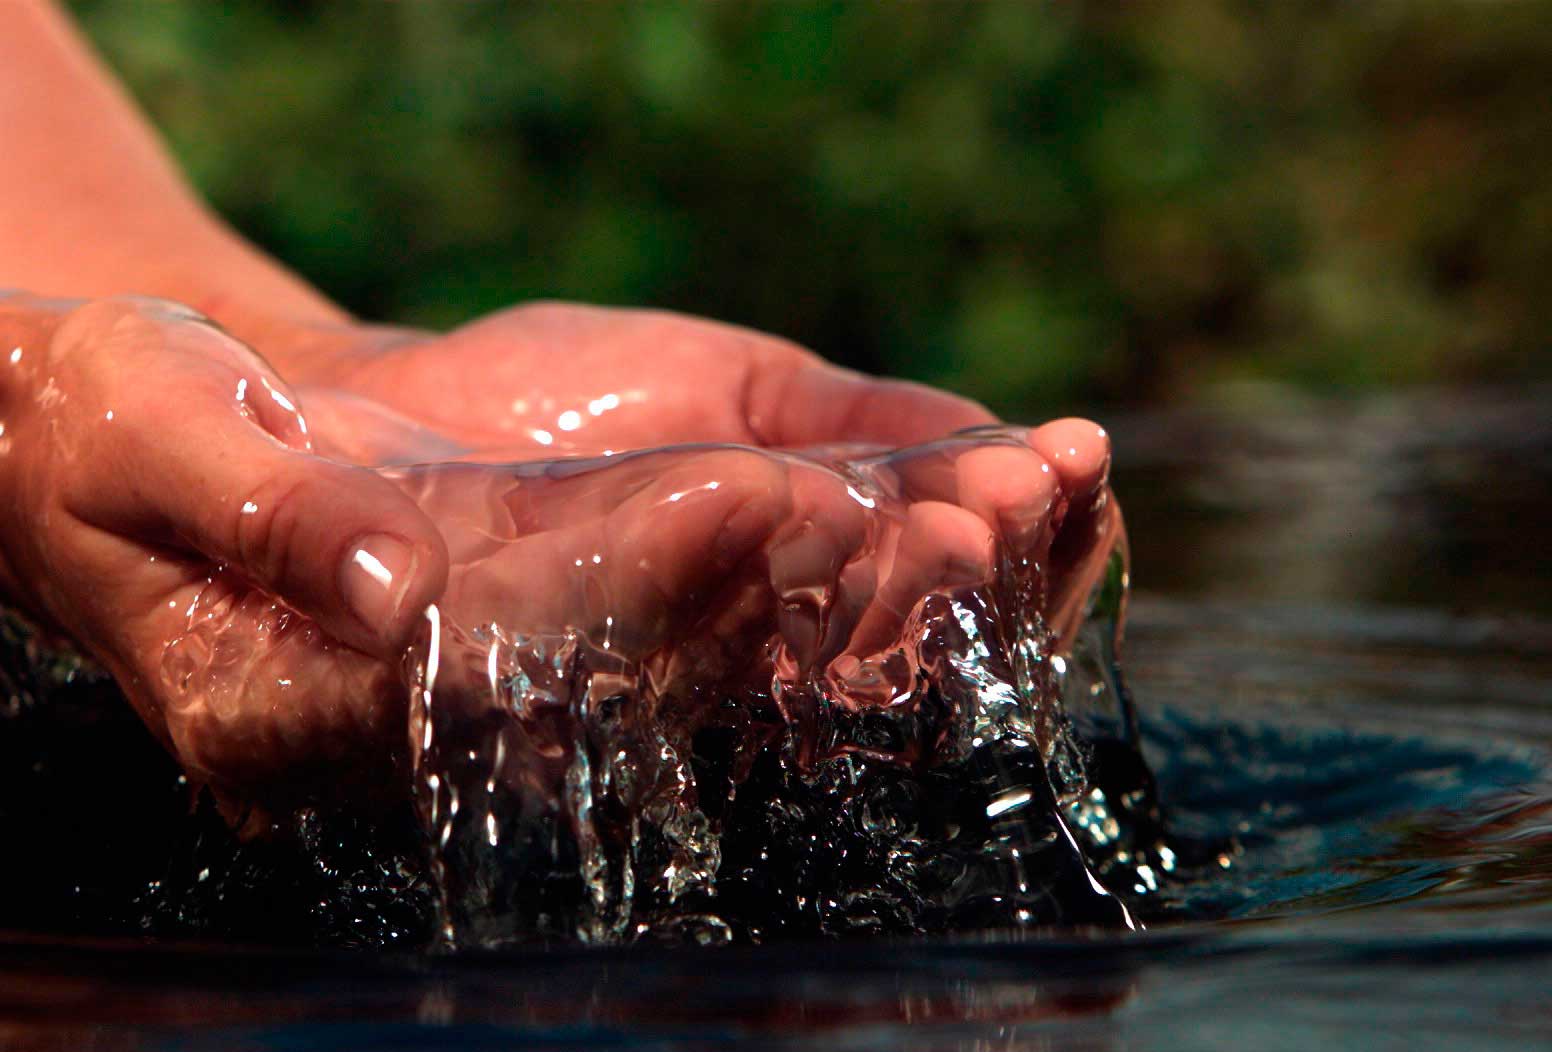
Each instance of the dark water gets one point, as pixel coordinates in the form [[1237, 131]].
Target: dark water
[[1355, 730]]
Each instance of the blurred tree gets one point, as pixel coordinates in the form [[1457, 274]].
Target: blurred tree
[[1033, 204]]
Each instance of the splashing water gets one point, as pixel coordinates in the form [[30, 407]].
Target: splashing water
[[712, 693], [760, 773], [1373, 782]]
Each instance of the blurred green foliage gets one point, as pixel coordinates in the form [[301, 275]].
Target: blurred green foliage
[[1034, 204]]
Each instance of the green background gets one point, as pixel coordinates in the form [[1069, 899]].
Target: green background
[[1042, 206]]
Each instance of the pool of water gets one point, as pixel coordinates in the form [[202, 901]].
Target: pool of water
[[1344, 673]]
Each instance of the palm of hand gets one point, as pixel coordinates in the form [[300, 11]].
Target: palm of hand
[[547, 381], [552, 380]]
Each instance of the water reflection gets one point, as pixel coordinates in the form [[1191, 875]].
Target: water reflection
[[1434, 499]]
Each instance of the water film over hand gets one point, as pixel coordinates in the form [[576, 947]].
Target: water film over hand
[[715, 694]]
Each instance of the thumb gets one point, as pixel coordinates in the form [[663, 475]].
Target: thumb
[[340, 544]]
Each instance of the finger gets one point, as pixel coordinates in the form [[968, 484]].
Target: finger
[[1012, 490], [249, 695], [1079, 451], [641, 575], [813, 586], [482, 508], [348, 427], [854, 593], [495, 503], [994, 475], [795, 402], [254, 697], [940, 548], [819, 587], [555, 494], [337, 543], [1083, 571]]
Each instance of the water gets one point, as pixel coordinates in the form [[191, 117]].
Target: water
[[1383, 775], [784, 762], [1364, 783]]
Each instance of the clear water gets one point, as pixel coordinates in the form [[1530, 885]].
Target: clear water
[[778, 770], [1363, 785]]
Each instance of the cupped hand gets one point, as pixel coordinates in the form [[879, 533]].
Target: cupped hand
[[690, 575], [716, 550], [156, 483], [165, 507], [551, 380]]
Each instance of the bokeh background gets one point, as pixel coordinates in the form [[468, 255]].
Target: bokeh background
[[1040, 205]]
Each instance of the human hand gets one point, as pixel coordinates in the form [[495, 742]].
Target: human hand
[[156, 482], [550, 380], [648, 550], [564, 379], [602, 612]]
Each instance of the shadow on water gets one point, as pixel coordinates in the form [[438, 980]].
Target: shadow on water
[[1362, 793]]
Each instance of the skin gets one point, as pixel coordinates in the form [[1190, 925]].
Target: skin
[[543, 380], [160, 490], [143, 448]]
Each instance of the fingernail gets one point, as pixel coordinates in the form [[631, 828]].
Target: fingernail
[[373, 579]]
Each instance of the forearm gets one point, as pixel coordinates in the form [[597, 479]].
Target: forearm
[[91, 205]]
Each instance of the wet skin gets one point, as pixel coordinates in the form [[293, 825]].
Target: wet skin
[[144, 450]]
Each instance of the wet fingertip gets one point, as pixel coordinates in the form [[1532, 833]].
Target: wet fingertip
[[1078, 450]]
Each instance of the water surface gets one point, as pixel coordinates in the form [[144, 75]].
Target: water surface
[[1357, 760]]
